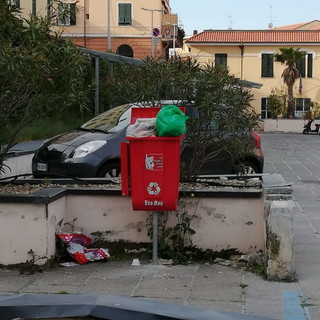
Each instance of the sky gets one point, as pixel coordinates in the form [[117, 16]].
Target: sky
[[243, 14]]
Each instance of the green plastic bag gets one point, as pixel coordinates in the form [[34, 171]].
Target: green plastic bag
[[170, 122]]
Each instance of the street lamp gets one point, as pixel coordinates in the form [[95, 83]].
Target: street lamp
[[108, 27], [152, 36]]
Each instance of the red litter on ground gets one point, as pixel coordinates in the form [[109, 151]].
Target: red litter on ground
[[76, 246]]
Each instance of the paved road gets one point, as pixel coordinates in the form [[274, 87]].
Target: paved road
[[297, 158]]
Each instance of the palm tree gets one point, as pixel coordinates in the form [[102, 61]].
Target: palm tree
[[290, 57]]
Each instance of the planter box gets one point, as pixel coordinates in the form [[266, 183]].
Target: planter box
[[222, 219]]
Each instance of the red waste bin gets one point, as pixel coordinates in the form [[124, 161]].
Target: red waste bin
[[150, 169]]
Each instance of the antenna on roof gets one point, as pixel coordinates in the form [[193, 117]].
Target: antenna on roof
[[270, 24], [230, 23]]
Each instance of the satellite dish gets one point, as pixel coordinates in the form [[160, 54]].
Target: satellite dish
[[270, 25]]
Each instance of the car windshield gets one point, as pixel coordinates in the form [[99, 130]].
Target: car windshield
[[108, 120]]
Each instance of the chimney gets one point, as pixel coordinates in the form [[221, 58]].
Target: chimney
[[195, 32]]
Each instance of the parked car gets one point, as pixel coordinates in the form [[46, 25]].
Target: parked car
[[93, 149]]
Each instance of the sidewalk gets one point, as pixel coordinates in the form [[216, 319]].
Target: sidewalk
[[211, 286], [297, 158]]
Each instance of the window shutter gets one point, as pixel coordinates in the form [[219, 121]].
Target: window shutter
[[73, 14], [124, 13], [310, 65], [267, 65], [34, 7], [301, 66]]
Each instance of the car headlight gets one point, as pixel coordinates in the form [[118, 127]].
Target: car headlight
[[88, 148]]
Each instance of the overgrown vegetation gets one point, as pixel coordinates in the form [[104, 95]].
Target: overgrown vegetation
[[43, 74], [51, 126], [175, 242], [40, 73], [314, 111], [276, 103], [225, 115]]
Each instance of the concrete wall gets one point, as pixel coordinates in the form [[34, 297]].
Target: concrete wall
[[284, 125], [220, 223], [17, 165], [28, 226]]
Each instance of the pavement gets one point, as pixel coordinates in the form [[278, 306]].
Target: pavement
[[297, 158], [26, 146]]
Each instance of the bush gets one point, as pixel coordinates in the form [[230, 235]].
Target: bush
[[226, 115]]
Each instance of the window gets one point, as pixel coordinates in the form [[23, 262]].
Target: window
[[15, 3], [267, 65], [124, 14], [305, 66], [67, 14], [49, 4], [34, 7], [265, 113], [309, 65], [125, 50], [301, 106], [220, 59]]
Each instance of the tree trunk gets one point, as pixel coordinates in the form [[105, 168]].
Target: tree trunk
[[290, 110]]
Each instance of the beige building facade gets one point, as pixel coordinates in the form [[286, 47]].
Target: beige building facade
[[249, 56], [134, 28]]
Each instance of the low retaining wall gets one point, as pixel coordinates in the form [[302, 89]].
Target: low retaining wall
[[221, 219], [283, 125], [248, 221]]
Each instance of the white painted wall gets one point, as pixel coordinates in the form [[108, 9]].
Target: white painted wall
[[284, 125], [220, 223], [17, 165], [28, 226]]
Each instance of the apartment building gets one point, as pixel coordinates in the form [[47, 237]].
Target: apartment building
[[135, 28], [249, 56]]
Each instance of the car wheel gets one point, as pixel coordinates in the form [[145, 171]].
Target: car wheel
[[246, 168], [109, 170]]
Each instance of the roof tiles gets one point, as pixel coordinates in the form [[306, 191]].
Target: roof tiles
[[256, 36]]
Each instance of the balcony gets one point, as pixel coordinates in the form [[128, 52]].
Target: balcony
[[169, 25]]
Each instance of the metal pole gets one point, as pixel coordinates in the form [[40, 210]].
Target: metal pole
[[155, 217], [174, 40], [152, 41], [152, 37], [85, 24], [96, 89], [109, 33]]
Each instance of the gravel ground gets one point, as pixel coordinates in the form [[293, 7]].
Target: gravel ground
[[200, 184]]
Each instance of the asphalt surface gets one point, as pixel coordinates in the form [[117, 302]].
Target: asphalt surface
[[297, 158]]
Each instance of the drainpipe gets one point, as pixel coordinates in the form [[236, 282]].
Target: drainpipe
[[241, 63], [108, 27], [85, 23]]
